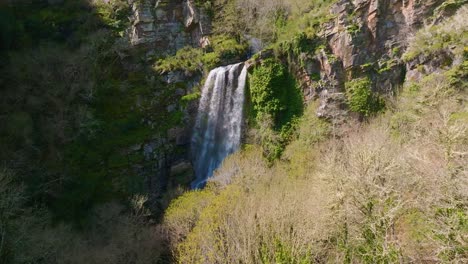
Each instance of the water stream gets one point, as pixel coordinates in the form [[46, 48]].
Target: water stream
[[218, 126]]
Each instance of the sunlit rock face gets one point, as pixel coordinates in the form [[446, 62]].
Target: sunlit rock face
[[164, 26]]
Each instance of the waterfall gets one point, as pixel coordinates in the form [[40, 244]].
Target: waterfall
[[217, 131]]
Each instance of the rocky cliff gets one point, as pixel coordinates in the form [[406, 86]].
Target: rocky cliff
[[365, 38], [163, 26], [159, 29]]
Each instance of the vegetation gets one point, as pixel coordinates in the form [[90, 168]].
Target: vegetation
[[433, 40], [392, 190], [276, 102], [82, 118], [269, 20], [70, 112], [222, 49], [361, 99], [373, 197]]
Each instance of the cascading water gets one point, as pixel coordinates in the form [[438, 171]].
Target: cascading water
[[218, 125]]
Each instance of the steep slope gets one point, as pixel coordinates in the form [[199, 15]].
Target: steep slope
[[391, 189], [354, 133]]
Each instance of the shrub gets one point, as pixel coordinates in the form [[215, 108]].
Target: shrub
[[363, 197], [183, 213], [223, 49], [226, 47], [274, 92], [276, 103], [361, 99], [430, 40], [189, 59]]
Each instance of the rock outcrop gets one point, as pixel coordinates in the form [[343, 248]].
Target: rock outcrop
[[366, 38], [162, 27]]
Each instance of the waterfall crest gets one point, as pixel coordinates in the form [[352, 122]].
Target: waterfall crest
[[218, 126]]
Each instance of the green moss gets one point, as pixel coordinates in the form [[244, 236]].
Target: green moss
[[191, 97]]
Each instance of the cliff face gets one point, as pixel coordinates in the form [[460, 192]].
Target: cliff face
[[165, 26], [159, 29], [366, 37]]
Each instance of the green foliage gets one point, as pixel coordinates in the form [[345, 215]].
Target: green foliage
[[273, 91], [227, 47], [276, 103], [78, 111], [458, 75], [191, 97], [183, 212], [114, 14], [306, 16], [300, 43], [69, 22], [454, 223], [385, 191], [282, 254], [361, 99], [188, 58], [222, 49], [353, 29]]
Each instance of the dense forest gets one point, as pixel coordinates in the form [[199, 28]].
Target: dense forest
[[353, 145]]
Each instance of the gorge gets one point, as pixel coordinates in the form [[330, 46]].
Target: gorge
[[233, 131]]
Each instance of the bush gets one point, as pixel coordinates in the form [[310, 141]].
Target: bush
[[183, 213], [188, 59], [276, 103], [223, 49], [361, 99], [431, 40], [389, 191], [274, 92]]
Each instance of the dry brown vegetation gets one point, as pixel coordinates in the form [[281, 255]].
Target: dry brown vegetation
[[382, 194]]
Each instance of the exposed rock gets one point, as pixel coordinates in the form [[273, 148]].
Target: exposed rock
[[181, 167], [181, 173], [179, 135], [143, 29], [332, 106], [164, 26], [422, 64], [365, 38]]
